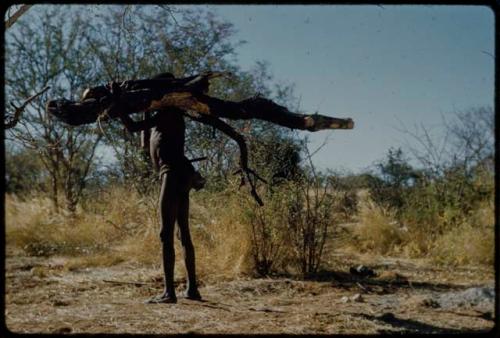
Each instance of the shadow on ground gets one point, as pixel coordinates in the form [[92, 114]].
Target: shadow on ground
[[406, 326], [346, 280]]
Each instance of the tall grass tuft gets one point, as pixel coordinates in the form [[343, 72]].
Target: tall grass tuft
[[444, 238], [378, 230], [121, 225], [33, 226], [222, 241], [471, 242]]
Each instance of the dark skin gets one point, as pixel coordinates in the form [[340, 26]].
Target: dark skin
[[166, 145], [164, 135]]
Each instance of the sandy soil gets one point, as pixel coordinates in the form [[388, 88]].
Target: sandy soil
[[43, 297]]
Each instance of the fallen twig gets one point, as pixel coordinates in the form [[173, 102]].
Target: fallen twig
[[126, 282]]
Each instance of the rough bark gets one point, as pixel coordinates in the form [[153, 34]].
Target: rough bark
[[188, 94], [16, 15]]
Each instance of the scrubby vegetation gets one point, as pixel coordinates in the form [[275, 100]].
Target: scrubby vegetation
[[64, 198], [448, 218]]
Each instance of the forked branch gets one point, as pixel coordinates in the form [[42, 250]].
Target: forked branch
[[190, 95], [244, 170], [19, 110]]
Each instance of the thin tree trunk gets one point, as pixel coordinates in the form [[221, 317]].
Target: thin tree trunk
[[14, 17]]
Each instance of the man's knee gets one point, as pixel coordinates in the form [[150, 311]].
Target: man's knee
[[186, 241], [166, 236], [188, 245], [188, 249], [163, 237]]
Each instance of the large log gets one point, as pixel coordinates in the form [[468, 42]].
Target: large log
[[188, 94], [136, 96]]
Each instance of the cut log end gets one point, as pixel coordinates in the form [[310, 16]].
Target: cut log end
[[319, 122], [186, 94], [348, 125]]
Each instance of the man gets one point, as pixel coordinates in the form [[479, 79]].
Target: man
[[166, 145]]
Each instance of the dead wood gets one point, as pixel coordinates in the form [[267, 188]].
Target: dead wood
[[19, 110], [126, 282], [190, 95], [16, 15]]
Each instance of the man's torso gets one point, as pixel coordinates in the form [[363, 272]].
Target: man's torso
[[167, 138]]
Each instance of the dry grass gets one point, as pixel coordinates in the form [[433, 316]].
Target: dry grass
[[93, 260], [113, 229], [472, 242], [120, 226], [378, 231], [222, 241], [469, 242], [33, 226]]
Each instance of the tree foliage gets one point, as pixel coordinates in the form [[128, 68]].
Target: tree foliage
[[74, 47], [48, 49]]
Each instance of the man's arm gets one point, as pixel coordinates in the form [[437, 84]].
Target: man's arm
[[115, 110], [146, 133]]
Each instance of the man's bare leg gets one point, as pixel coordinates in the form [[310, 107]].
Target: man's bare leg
[[187, 247], [168, 212]]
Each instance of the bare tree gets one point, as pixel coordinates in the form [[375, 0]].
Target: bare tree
[[42, 51], [310, 215], [473, 137], [467, 140], [459, 165]]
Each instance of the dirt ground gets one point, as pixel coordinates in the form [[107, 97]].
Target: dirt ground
[[43, 297]]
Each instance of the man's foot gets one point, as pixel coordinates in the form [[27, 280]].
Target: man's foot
[[162, 299], [193, 295]]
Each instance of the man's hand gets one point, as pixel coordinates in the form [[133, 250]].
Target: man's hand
[[115, 89], [115, 109]]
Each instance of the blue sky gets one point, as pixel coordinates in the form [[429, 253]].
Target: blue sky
[[383, 66]]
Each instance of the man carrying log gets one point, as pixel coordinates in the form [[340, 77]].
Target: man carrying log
[[166, 146], [172, 99]]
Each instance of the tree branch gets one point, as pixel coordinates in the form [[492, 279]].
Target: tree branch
[[14, 17], [240, 140], [190, 95], [19, 110], [186, 94]]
